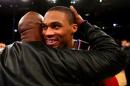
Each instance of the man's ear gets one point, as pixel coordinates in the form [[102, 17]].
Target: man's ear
[[74, 28]]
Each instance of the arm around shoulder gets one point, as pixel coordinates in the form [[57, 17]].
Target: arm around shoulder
[[105, 58]]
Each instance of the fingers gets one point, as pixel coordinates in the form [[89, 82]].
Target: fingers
[[73, 10], [79, 19]]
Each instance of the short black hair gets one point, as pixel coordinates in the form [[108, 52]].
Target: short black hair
[[65, 10]]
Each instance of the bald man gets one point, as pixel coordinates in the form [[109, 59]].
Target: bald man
[[29, 26]]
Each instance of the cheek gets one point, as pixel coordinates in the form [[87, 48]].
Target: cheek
[[62, 35], [66, 36], [61, 32], [67, 33]]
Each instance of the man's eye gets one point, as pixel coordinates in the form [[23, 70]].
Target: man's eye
[[56, 26]]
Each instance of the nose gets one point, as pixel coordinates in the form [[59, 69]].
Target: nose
[[49, 32]]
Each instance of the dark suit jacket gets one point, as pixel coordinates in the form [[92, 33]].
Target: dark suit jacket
[[34, 64]]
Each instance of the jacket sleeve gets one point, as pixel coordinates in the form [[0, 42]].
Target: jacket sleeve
[[105, 57], [1, 77]]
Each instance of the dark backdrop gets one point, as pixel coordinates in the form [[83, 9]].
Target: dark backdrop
[[102, 14]]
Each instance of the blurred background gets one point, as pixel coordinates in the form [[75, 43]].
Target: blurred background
[[113, 16]]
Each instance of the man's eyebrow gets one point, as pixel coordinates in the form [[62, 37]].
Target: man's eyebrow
[[52, 23], [57, 23]]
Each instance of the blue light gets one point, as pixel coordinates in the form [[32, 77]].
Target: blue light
[[74, 1], [100, 1], [52, 1], [15, 30], [114, 24], [25, 0]]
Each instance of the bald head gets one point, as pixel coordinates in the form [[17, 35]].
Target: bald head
[[30, 26]]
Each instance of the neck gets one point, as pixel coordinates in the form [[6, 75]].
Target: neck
[[72, 44]]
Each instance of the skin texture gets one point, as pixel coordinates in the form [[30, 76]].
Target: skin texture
[[57, 31], [29, 27]]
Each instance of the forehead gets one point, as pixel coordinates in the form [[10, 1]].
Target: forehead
[[55, 16]]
